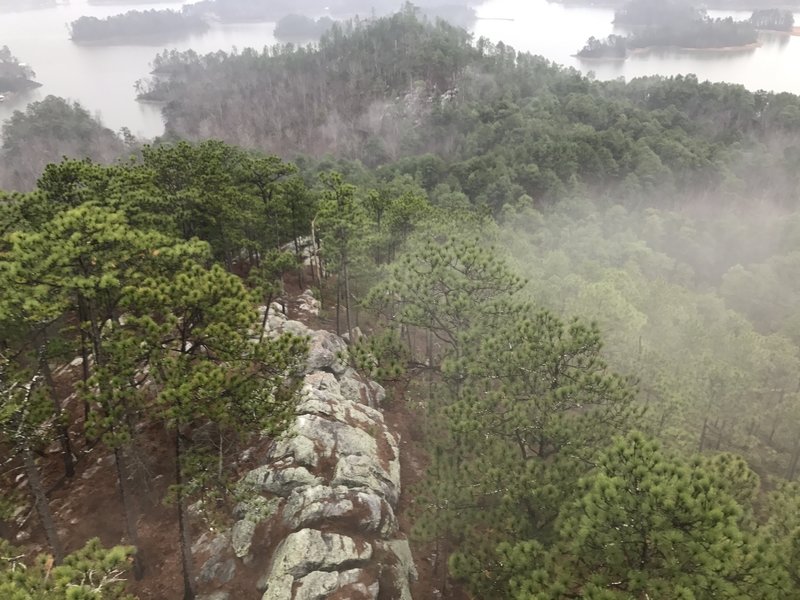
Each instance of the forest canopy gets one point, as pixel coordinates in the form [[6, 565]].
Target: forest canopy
[[587, 291]]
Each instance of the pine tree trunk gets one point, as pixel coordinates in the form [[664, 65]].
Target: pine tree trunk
[[42, 506], [299, 262], [85, 370], [63, 429], [129, 509], [338, 304], [183, 525], [703, 435], [347, 302]]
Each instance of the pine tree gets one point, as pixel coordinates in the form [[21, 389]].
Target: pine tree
[[193, 329], [649, 524], [91, 573], [26, 423], [343, 225]]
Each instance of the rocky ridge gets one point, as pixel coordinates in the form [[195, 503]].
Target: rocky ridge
[[327, 494]]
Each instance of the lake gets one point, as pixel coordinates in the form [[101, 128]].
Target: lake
[[102, 78]]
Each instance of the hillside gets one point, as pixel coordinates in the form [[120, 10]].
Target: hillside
[[405, 304]]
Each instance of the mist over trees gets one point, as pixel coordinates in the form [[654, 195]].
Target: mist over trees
[[773, 19], [300, 28], [14, 75], [587, 291], [46, 131]]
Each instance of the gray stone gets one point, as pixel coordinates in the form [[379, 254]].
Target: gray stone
[[280, 481], [277, 587], [308, 304], [296, 328], [335, 438], [217, 571], [317, 585], [218, 595], [296, 449], [242, 537], [359, 391], [402, 567], [211, 543], [357, 335], [323, 381], [311, 550], [359, 471], [320, 504], [320, 585], [326, 352]]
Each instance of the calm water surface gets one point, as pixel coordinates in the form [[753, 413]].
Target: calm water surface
[[558, 32], [102, 78]]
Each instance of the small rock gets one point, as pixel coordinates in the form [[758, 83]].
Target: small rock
[[22, 536], [326, 352], [218, 572], [242, 537]]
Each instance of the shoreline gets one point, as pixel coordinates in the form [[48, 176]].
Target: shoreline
[[151, 101], [137, 40], [26, 86], [741, 48], [794, 32], [646, 49], [600, 58]]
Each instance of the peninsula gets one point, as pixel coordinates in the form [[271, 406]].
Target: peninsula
[[15, 76]]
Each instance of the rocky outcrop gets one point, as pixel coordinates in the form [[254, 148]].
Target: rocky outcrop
[[327, 492]]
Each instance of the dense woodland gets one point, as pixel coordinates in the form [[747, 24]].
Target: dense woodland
[[136, 25], [677, 24], [587, 290]]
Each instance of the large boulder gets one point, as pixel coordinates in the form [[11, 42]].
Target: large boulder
[[320, 505], [310, 550], [326, 353]]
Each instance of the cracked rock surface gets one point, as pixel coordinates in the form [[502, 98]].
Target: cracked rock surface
[[332, 485]]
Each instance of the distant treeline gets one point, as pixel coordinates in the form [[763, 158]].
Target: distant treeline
[[674, 24], [301, 28], [773, 19], [136, 24]]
